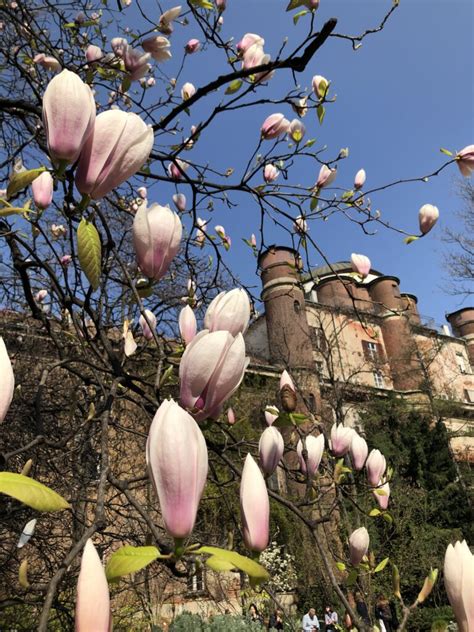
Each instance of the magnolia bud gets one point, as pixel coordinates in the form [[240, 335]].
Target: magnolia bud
[[314, 448], [270, 448], [427, 216], [320, 86], [360, 264], [275, 125], [42, 187], [358, 545], [465, 160], [359, 179], [254, 506]]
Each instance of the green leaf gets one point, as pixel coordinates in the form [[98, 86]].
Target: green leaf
[[347, 195], [21, 180], [299, 15], [380, 492], [396, 581], [310, 142], [31, 493], [89, 251], [340, 566], [321, 113], [234, 86], [387, 517], [314, 203], [252, 568], [130, 559], [352, 577], [216, 563], [446, 151], [374, 512], [408, 240], [381, 565], [126, 83], [283, 421], [202, 4]]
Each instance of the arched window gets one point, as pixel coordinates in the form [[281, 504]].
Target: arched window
[[297, 307]]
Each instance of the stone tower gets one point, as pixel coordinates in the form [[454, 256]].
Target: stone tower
[[462, 322]]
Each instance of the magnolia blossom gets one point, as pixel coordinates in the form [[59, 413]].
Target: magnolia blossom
[[229, 311], [360, 264], [7, 383], [314, 448], [93, 601], [300, 106], [48, 62], [68, 116], [358, 451], [165, 24], [211, 370], [187, 91], [65, 260], [300, 225], [459, 583], [158, 47], [148, 324], [187, 324], [157, 232], [142, 192], [320, 86], [341, 438], [230, 416], [326, 177], [119, 45], [274, 125], [375, 466], [192, 46], [58, 230], [286, 381], [270, 173], [254, 506], [254, 56], [118, 147], [42, 188], [135, 63], [296, 130], [465, 160], [312, 5], [93, 53], [41, 296], [359, 179], [179, 200], [221, 5], [358, 545], [427, 217], [201, 232], [271, 414], [382, 494], [176, 168], [249, 40], [270, 449], [176, 455]]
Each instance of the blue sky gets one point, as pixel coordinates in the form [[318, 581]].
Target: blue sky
[[404, 94]]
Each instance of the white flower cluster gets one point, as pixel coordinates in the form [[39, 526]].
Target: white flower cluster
[[281, 567]]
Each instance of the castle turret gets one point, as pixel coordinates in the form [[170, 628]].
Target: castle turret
[[462, 322]]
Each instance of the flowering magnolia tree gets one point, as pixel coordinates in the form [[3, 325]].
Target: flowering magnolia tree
[[121, 425]]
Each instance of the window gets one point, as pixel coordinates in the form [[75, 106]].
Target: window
[[461, 362], [373, 351], [312, 403], [319, 339], [195, 581], [469, 395], [378, 379], [296, 307], [319, 368]]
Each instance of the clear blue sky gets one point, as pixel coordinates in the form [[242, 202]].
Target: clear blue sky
[[404, 94]]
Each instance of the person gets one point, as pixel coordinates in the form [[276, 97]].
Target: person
[[330, 619], [310, 621], [254, 614], [361, 608], [383, 614], [276, 620]]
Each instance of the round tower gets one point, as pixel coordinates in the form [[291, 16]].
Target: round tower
[[462, 322]]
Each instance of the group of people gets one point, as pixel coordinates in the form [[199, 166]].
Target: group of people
[[311, 623]]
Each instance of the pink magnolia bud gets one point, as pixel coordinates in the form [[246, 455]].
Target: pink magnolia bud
[[358, 545], [93, 601], [341, 438], [297, 130], [459, 582], [42, 188], [165, 24], [360, 264], [179, 200], [135, 63], [65, 260], [118, 147], [176, 168], [270, 173], [177, 464], [359, 179], [93, 53], [253, 241], [285, 380], [148, 329], [275, 125], [157, 234], [229, 311], [320, 86], [300, 225], [382, 494], [270, 415], [158, 47], [254, 507], [192, 46], [221, 5], [230, 416], [68, 116], [248, 40], [465, 160], [270, 449], [187, 324], [326, 177], [150, 82], [41, 296], [427, 217], [119, 46], [7, 383], [48, 62], [211, 370], [315, 449], [142, 192], [359, 451], [220, 230], [375, 466], [187, 91]]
